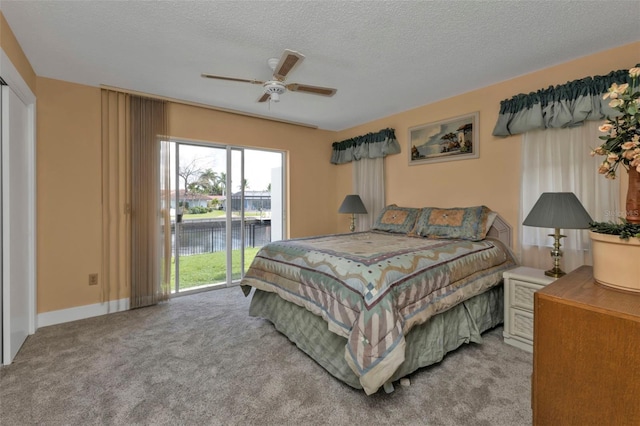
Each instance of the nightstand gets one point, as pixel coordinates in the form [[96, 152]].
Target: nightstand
[[519, 285]]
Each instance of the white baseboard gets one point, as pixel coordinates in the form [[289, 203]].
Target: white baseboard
[[82, 312]]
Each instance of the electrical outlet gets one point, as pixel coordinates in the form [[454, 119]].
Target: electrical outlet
[[93, 279]]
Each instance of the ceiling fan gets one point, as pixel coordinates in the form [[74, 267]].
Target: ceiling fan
[[276, 86]]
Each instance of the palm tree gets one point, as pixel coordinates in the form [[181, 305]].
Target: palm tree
[[209, 182], [222, 182]]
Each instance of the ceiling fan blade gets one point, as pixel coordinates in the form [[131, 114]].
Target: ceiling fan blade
[[315, 90], [264, 97], [289, 60], [242, 80]]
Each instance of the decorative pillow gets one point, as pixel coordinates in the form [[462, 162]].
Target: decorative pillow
[[396, 219], [466, 223]]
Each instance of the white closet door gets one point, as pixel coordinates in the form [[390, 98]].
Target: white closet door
[[16, 232]]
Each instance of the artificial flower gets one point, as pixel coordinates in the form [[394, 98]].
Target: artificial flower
[[616, 90], [622, 142]]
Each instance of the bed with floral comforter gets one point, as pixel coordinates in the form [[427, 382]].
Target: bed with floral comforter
[[373, 287]]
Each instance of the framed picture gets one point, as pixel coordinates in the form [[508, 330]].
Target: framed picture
[[446, 140]]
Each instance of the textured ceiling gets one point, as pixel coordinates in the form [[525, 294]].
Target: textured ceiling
[[383, 57]]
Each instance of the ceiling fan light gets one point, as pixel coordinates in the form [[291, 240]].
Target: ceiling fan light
[[273, 62], [274, 89]]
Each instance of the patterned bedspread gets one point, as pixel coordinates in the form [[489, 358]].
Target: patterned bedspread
[[373, 287]]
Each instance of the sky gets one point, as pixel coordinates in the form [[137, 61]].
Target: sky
[[257, 171]]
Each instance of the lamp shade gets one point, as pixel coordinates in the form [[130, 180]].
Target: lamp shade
[[558, 210], [352, 204]]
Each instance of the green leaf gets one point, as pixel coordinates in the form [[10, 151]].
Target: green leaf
[[623, 229]]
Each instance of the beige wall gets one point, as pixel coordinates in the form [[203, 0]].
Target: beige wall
[[69, 182], [494, 178], [13, 50], [68, 194]]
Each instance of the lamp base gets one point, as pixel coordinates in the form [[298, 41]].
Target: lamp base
[[352, 227], [556, 254], [555, 273]]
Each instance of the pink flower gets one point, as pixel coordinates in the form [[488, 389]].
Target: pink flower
[[615, 90], [605, 128], [622, 142], [616, 103]]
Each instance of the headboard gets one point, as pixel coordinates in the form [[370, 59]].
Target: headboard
[[501, 230]]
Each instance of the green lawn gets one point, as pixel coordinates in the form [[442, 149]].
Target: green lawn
[[209, 268], [210, 215]]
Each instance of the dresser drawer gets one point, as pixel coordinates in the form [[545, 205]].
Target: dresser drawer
[[522, 294], [521, 324]]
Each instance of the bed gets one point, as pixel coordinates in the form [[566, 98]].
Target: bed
[[372, 307]]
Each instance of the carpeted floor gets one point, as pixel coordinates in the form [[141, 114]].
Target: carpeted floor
[[201, 360]]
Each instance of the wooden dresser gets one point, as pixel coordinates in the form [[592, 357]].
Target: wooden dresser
[[586, 353]]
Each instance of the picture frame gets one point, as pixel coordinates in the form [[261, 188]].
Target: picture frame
[[445, 140]]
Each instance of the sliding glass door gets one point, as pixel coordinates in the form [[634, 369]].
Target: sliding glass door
[[225, 201]]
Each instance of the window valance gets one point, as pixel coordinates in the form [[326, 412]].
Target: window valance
[[371, 145], [565, 105]]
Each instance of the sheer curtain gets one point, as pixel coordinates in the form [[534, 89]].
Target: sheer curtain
[[368, 182], [116, 184], [150, 273], [135, 199], [558, 160]]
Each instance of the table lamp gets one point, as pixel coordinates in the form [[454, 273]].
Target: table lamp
[[352, 204], [558, 210]]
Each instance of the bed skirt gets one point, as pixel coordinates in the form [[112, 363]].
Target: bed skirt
[[426, 343]]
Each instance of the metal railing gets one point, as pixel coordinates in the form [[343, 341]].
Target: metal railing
[[198, 237]]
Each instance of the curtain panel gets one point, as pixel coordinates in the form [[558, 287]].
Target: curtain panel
[[136, 232], [371, 145], [368, 182], [116, 184], [150, 227], [558, 160], [566, 105]]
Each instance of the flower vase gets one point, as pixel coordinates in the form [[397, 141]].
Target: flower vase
[[633, 196], [615, 261]]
